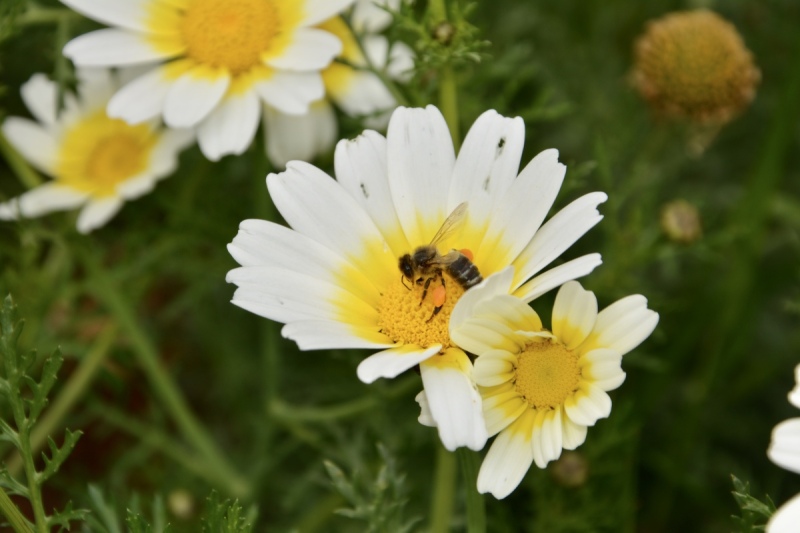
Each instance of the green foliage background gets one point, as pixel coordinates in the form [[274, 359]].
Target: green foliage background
[[702, 394]]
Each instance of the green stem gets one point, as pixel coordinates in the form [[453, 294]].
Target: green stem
[[106, 291], [34, 491], [45, 15], [13, 515], [24, 172], [476, 508], [444, 490], [448, 87]]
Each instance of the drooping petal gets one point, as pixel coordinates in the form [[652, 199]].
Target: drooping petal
[[490, 287], [40, 96], [230, 127], [420, 158], [574, 314], [361, 169], [557, 276], [194, 95], [300, 137], [574, 434], [394, 361], [291, 92], [327, 334], [622, 326], [33, 142], [425, 416], [142, 99], [786, 518], [784, 450], [97, 212], [113, 47], [508, 459], [453, 399], [309, 49], [42, 200]]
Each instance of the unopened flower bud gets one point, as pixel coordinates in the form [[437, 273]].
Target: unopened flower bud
[[680, 221]]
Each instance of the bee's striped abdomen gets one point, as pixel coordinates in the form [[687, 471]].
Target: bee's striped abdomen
[[464, 272]]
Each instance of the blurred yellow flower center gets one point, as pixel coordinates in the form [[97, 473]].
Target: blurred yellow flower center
[[337, 76], [547, 373], [99, 152], [230, 34], [405, 317]]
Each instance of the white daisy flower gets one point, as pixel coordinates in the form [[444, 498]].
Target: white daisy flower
[[542, 389], [96, 161], [213, 61], [784, 451], [335, 281], [356, 92]]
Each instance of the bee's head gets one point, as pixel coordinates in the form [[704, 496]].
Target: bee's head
[[406, 266]]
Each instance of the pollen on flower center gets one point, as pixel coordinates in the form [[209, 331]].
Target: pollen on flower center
[[231, 34], [406, 318], [547, 373]]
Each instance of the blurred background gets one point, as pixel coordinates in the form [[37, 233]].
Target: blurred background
[[721, 266]]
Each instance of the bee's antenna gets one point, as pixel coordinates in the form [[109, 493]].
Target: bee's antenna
[[403, 281]]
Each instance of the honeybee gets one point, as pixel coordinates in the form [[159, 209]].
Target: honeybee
[[426, 264]]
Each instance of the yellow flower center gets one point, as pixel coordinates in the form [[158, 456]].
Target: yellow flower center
[[338, 76], [547, 373], [99, 152], [230, 34], [405, 317]]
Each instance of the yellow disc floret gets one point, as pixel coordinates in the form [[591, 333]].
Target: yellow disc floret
[[405, 317], [99, 152], [546, 373], [230, 34], [695, 64]]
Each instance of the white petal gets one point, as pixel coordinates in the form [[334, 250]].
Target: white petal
[[315, 205], [95, 87], [327, 334], [42, 200], [394, 361], [425, 416], [559, 275], [111, 47], [794, 396], [361, 168], [487, 166], [786, 518], [494, 285], [300, 137], [574, 434], [262, 243], [574, 314], [558, 234], [508, 459], [97, 212], [368, 17], [137, 186], [33, 142], [291, 92], [40, 96], [142, 99], [130, 14], [421, 158], [192, 97], [784, 450], [288, 296], [164, 156], [493, 368], [623, 325], [588, 405], [454, 401], [230, 127], [309, 49], [364, 95], [401, 62], [317, 11], [547, 438], [603, 368]]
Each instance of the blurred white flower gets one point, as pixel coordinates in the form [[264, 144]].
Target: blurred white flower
[[356, 92], [96, 161], [212, 62], [784, 451]]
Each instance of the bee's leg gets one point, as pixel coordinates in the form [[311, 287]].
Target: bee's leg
[[425, 289], [435, 312]]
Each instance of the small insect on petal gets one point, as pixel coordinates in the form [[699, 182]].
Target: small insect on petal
[[467, 253]]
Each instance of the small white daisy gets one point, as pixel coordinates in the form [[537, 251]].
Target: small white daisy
[[96, 161], [358, 93], [542, 389], [784, 451], [222, 59], [335, 279]]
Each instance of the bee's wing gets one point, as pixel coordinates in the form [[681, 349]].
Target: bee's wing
[[453, 224]]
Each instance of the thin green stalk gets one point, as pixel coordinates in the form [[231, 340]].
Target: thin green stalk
[[448, 87], [106, 291], [13, 515], [71, 393], [444, 491], [24, 172], [45, 15], [34, 491], [476, 507]]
